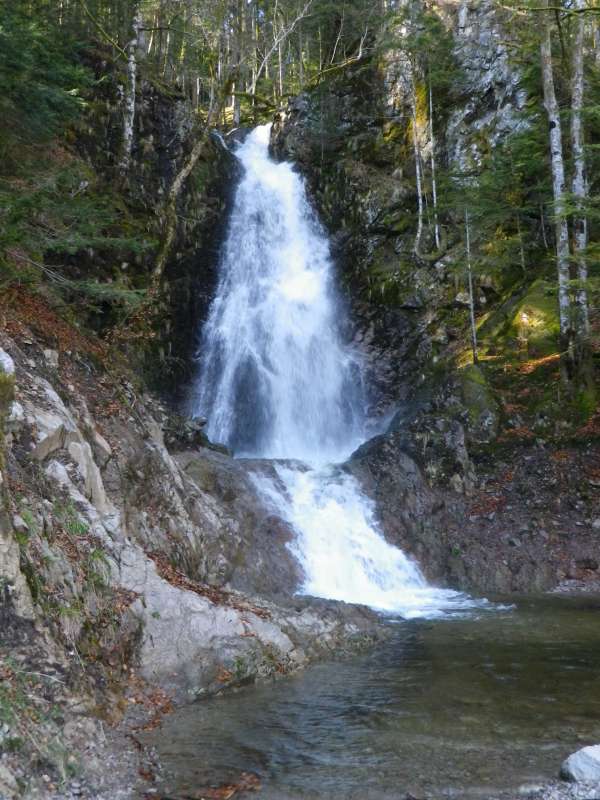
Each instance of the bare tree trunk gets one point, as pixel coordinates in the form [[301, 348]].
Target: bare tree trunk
[[300, 59], [433, 175], [237, 107], [130, 92], [543, 227], [417, 154], [337, 40], [320, 50], [280, 69], [579, 187], [252, 26], [558, 185], [155, 21], [239, 63], [167, 48], [471, 293]]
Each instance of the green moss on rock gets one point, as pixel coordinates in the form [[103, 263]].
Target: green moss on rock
[[535, 320], [7, 395], [480, 403]]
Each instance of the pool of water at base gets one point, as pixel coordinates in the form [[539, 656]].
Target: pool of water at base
[[468, 707]]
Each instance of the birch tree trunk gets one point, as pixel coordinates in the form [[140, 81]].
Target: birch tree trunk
[[417, 154], [280, 69], [130, 92], [579, 187], [558, 186], [433, 176], [300, 59]]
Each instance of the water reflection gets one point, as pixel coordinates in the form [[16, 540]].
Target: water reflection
[[456, 708]]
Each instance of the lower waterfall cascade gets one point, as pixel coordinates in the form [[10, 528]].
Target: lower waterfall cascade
[[276, 381]]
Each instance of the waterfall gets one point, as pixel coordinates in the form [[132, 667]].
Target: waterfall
[[276, 381]]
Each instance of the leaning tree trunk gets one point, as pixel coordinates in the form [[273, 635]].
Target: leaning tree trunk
[[579, 187], [130, 92], [558, 187], [170, 227]]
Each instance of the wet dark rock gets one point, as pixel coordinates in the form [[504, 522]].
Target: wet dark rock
[[236, 136], [166, 129], [247, 547], [589, 563], [407, 508], [183, 432]]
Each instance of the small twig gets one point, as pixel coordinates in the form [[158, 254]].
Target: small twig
[[49, 272], [41, 675]]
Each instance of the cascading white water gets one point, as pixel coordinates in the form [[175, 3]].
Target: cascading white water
[[276, 381]]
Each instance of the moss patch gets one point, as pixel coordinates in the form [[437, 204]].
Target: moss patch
[[480, 402], [535, 321]]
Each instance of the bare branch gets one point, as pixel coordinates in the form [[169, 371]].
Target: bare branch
[[283, 34]]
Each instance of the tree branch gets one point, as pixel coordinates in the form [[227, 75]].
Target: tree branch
[[102, 30]]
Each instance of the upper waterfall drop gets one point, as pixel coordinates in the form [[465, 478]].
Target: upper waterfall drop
[[275, 380]]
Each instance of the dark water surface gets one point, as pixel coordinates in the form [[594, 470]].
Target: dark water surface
[[454, 708]]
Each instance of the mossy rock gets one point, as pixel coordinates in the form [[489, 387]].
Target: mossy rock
[[535, 320], [480, 404], [531, 318], [393, 131], [7, 393]]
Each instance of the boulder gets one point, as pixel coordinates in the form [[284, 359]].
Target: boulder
[[8, 783], [7, 365], [52, 424], [193, 645], [483, 411], [584, 765], [244, 542]]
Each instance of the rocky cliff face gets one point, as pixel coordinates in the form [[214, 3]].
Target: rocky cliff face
[[441, 474], [352, 136], [165, 131], [93, 479]]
